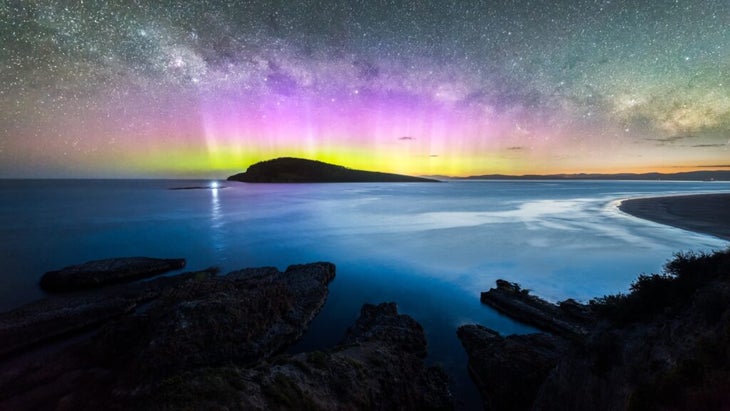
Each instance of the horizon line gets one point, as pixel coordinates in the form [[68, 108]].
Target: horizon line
[[473, 176]]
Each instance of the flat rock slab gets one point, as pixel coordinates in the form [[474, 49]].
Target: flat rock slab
[[98, 273], [568, 318], [63, 315]]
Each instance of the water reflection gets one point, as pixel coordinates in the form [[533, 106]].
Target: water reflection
[[216, 219]]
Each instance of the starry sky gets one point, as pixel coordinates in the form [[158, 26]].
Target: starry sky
[[165, 88]]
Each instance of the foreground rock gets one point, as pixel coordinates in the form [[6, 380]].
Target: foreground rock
[[568, 318], [298, 170], [200, 341], [377, 366], [98, 273], [509, 371], [663, 346], [59, 316]]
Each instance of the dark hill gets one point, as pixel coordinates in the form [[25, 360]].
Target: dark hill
[[298, 170]]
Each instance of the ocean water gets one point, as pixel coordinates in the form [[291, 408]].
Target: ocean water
[[432, 248]]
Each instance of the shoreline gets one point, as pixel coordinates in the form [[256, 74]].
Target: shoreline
[[702, 213]]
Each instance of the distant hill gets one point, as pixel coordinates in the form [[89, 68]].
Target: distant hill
[[298, 170], [710, 175]]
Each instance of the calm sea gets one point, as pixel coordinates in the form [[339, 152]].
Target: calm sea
[[432, 248]]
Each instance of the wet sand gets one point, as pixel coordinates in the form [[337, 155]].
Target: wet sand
[[703, 213]]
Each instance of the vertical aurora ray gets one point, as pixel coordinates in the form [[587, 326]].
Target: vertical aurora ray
[[360, 127]]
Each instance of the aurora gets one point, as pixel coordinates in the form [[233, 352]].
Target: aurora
[[130, 89]]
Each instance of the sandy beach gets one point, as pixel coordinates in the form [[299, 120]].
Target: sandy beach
[[704, 213]]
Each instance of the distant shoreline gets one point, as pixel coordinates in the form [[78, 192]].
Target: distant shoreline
[[705, 175], [702, 213]]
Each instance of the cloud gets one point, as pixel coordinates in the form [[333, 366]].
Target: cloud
[[433, 155], [709, 145], [713, 166], [670, 139], [515, 148], [406, 138]]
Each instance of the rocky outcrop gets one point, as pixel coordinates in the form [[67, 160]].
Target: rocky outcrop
[[509, 371], [97, 273], [227, 319], [568, 318], [299, 170], [370, 370], [188, 321], [663, 346], [201, 341], [383, 324], [58, 316]]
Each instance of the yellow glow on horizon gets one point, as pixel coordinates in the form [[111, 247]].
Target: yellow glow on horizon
[[222, 162]]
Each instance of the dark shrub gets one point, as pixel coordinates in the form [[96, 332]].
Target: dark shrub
[[653, 294]]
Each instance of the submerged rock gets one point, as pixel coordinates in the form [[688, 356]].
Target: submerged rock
[[382, 323], [97, 273]]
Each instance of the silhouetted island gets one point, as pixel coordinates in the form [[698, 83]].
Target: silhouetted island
[[299, 170]]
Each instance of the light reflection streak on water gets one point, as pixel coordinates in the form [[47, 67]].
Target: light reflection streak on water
[[216, 218]]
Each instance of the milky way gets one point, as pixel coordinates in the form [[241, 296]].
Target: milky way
[[173, 88]]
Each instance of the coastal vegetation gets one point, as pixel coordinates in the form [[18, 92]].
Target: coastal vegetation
[[663, 345], [668, 293]]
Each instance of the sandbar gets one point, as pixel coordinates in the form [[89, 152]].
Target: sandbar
[[702, 213]]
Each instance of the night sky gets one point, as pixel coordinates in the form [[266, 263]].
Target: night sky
[[206, 88]]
